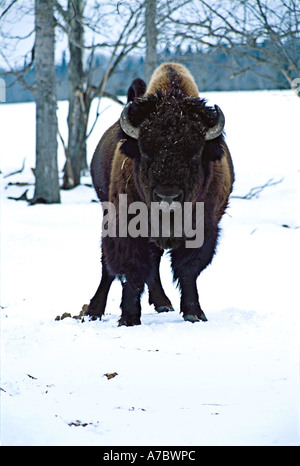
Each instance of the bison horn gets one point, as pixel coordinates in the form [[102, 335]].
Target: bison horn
[[126, 126], [216, 130]]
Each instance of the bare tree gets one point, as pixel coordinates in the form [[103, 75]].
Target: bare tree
[[267, 32], [46, 171], [77, 116], [151, 38], [83, 86], [116, 28]]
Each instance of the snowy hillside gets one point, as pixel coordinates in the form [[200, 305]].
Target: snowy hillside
[[233, 380]]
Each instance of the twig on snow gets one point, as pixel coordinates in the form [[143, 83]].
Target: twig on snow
[[254, 192], [17, 171]]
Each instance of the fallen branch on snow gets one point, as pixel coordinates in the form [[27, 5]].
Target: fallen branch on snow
[[254, 192], [16, 172]]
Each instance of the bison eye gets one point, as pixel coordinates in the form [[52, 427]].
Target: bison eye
[[196, 153], [196, 156]]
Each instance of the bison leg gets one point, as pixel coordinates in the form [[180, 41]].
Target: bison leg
[[189, 305], [131, 304], [157, 295], [98, 302], [187, 264]]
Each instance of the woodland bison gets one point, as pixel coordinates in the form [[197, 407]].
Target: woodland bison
[[167, 147]]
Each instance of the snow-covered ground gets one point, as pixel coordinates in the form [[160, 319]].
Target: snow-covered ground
[[233, 380]]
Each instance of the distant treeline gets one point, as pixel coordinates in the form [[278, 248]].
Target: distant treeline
[[214, 70]]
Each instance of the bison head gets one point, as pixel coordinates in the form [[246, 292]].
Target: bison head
[[171, 138]]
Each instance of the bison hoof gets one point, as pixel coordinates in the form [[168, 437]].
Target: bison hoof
[[87, 310], [129, 321], [195, 318], [164, 309]]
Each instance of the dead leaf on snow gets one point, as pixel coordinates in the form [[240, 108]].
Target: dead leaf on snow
[[78, 423], [111, 375]]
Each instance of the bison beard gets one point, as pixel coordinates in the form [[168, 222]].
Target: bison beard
[[168, 145]]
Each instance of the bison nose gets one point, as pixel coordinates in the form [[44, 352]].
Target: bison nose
[[167, 195]]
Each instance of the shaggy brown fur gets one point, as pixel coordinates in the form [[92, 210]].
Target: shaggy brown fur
[[170, 76], [170, 155]]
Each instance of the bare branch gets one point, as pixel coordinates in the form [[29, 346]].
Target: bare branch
[[21, 73], [17, 171], [68, 166], [255, 192], [257, 33], [8, 8]]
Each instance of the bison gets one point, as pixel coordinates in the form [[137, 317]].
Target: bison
[[167, 147]]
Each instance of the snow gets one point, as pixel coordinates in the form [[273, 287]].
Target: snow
[[230, 381]]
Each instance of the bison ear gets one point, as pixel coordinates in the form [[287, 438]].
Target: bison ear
[[134, 114], [213, 150], [137, 89], [130, 148]]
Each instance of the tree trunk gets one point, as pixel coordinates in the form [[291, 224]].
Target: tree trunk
[[78, 111], [46, 171], [151, 38]]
